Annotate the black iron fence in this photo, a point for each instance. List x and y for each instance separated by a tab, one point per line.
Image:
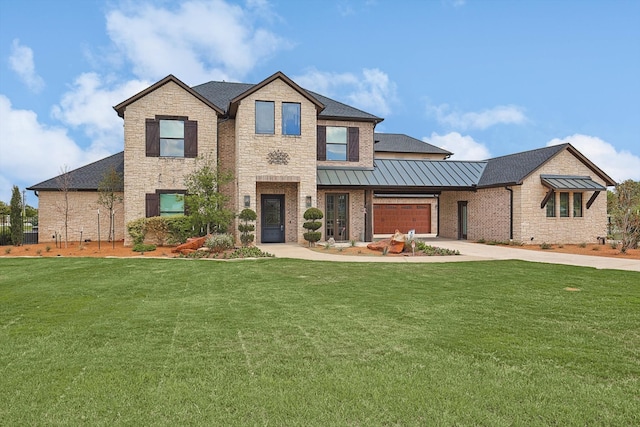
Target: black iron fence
29	230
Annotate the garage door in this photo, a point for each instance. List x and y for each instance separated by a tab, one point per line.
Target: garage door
389	218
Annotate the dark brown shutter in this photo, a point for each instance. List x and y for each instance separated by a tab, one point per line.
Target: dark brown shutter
152	205
322	143
152	138
354	144
190	138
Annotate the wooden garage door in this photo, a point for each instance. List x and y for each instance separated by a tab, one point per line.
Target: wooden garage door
389	218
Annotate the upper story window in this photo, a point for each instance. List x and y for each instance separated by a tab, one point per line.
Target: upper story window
338	143
290	118
265	117
171	137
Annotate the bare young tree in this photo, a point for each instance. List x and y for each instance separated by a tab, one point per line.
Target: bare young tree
625	212
65	185
109	189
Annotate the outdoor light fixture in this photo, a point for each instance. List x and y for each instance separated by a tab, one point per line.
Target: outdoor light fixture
247	201
308	201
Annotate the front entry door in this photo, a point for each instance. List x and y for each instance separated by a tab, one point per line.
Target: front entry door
272	218
462	220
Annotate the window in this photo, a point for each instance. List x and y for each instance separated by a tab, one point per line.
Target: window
265	113
551	206
164	203
336	217
171	204
290	118
564	204
577	205
171	138
336	143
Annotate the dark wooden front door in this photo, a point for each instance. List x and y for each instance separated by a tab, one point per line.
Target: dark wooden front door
272	218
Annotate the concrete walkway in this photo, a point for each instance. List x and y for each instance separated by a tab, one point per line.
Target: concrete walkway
468	252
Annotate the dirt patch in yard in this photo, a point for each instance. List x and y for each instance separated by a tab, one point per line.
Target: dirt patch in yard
585	249
87	249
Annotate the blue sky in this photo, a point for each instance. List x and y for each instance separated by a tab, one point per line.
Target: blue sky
479	78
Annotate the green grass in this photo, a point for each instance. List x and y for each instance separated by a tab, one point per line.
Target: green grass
289	342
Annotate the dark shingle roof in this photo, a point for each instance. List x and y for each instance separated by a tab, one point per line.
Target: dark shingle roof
395	173
86	177
514	168
400	143
221	94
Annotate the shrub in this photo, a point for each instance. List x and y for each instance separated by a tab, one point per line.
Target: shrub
545	245
252	252
179	229
434	250
158	228
312	215
219	242
141	247
137	230
583	245
246	216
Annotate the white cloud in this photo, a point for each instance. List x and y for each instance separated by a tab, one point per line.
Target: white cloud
372	91
619	165
198	41
502	114
21	61
88	106
462	147
31	152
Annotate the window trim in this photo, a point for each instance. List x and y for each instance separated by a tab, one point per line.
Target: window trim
152	201
152	137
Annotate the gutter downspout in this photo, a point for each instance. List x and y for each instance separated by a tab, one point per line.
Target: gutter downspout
510	190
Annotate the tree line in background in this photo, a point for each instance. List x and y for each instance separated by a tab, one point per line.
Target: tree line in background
623	206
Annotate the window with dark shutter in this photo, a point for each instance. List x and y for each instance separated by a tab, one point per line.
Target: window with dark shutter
190	138
322	143
152	138
152	205
354	144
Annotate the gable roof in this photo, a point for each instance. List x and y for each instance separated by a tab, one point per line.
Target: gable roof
120	108
512	169
400	143
406	174
222	94
87	177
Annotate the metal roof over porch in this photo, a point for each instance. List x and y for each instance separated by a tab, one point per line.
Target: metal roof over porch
406	174
571	182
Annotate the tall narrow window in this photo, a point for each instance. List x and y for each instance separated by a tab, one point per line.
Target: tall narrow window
171	204
551	206
336	143
564	204
577	205
171	138
265	117
290	118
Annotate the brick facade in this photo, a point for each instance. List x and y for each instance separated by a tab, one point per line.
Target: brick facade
83	216
144	174
488	210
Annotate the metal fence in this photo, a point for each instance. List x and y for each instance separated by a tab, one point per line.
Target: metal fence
29	230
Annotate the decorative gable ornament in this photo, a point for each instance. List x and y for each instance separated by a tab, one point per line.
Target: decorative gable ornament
278	157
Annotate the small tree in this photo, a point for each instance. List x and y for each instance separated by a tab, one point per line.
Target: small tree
15	214
245	228
204	202
65	184
312	215
625	213
109	189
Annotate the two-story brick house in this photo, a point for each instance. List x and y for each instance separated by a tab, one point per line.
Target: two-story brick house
289	149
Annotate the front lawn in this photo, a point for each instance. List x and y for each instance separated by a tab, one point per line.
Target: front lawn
290	342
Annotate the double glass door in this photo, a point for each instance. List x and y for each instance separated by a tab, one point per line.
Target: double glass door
336	217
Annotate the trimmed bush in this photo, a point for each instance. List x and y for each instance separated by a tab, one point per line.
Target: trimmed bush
219	242
246	216
312	215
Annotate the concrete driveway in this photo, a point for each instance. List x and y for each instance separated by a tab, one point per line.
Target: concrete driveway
468	252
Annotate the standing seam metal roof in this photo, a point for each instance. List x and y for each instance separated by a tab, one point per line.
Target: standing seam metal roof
407	174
